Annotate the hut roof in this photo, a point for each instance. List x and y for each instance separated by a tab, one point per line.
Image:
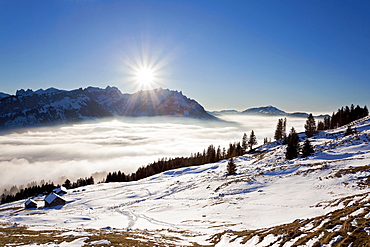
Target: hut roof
60	189
51	197
29	201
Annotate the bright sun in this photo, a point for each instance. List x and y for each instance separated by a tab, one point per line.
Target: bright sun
145	76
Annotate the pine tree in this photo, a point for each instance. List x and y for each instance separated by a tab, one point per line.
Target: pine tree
365	111
245	142
327	123
231	167
310	126
284	128
252	140
320	125
307	148
67	184
293	145
279	130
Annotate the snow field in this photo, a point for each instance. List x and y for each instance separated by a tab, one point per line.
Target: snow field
267	191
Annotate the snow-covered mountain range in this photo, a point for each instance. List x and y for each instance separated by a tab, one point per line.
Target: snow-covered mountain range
321	200
50	106
265	111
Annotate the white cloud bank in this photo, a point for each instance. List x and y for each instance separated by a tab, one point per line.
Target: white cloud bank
123	144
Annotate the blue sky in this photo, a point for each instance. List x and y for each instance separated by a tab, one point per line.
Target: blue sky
296	55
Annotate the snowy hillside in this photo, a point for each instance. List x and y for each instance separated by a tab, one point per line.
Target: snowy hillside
54	106
324	198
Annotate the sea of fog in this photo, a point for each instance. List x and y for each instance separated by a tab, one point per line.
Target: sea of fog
79	150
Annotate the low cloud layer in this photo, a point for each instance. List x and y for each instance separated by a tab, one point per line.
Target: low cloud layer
125	144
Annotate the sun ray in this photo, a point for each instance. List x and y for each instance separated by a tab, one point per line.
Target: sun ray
146	66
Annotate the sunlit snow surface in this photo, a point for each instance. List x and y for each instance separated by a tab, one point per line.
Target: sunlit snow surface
267	191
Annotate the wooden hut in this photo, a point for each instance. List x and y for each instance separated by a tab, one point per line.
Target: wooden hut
30	204
53	200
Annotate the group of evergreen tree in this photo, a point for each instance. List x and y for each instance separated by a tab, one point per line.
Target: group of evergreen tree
28	192
280	132
343	116
266	140
310	126
307	148
209	155
44	188
294	149
79	183
249	142
116	177
292	141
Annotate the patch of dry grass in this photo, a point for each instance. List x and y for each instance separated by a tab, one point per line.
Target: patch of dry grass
19	235
323	228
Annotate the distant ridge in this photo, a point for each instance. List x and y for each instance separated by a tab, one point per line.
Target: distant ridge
54	106
265	111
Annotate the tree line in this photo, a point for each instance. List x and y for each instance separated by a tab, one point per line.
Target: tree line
43	188
27	192
79	183
343	116
209	155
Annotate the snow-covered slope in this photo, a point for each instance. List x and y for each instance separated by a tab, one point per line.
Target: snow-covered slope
29	108
322	198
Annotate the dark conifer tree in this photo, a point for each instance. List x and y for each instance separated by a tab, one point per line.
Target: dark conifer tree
245	142
334	121
279	130
365	112
310	126
307	148
67	184
218	153
231	167
352	113
320	125
293	145
327	122
358	112
252	140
